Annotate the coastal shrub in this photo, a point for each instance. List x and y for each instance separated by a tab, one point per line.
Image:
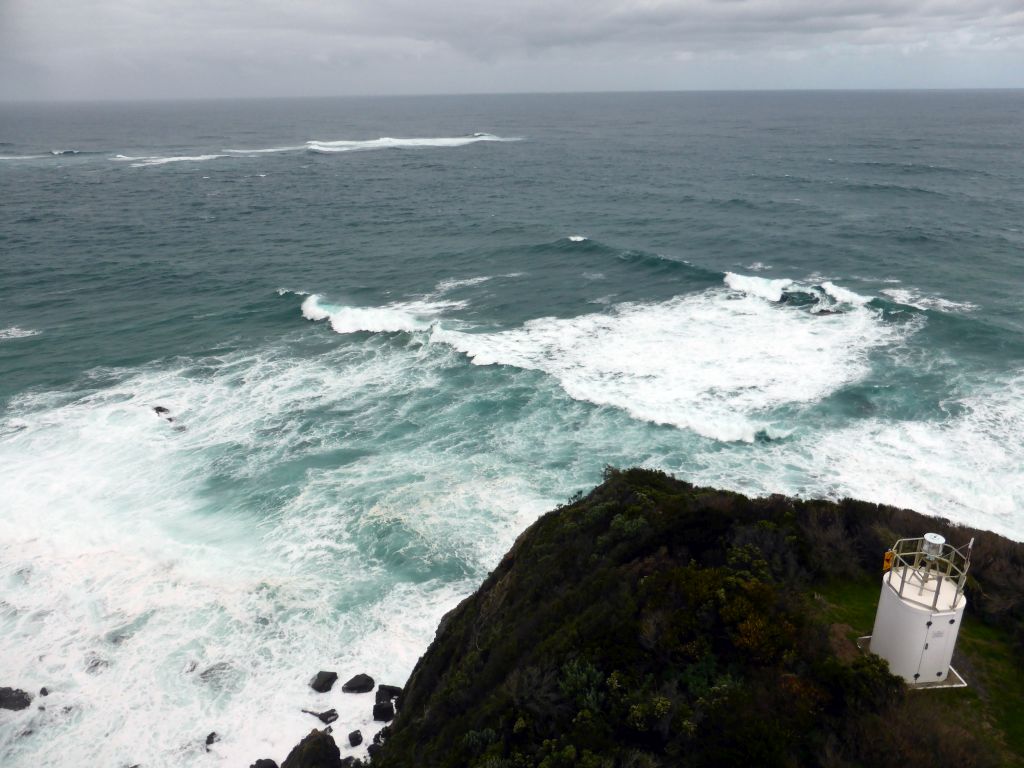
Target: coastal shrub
653	623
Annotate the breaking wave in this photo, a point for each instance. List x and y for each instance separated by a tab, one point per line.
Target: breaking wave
912	298
14	332
330	147
398	317
142	162
714	362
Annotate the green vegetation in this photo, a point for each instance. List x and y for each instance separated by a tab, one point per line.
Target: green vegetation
653	623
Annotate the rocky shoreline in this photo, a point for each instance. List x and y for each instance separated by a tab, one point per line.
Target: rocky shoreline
653	623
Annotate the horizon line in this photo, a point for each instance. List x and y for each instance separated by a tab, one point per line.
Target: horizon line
617	92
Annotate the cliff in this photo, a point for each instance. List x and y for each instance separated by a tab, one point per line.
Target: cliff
653	623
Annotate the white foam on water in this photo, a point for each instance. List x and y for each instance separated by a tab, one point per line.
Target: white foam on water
757	286
266	151
153	160
965	467
330	147
14	332
446	286
22	157
914	298
844	295
758	266
159	600
398	317
715	362
577	238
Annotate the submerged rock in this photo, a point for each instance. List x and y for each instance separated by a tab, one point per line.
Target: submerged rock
361	683
317	750
14	698
327	717
323	682
215	673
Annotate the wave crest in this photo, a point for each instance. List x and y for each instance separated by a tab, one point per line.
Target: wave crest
14	332
712	362
331	147
398	317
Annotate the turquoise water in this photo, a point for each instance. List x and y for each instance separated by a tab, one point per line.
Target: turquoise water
385	357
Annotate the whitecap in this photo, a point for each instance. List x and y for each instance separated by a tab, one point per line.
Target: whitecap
713	363
451	284
397	317
965	467
577	238
266	151
142	162
345	145
912	298
14	332
844	295
758	286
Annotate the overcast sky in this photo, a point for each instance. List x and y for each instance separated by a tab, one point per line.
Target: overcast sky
103	49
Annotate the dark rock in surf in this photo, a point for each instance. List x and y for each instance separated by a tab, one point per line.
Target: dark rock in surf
323	682
43	691
264	762
384	712
355	738
387	693
96	665
317	750
361	683
161	411
14	698
211	738
382	735
326	718
373	750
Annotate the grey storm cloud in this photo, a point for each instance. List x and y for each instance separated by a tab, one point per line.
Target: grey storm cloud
107	47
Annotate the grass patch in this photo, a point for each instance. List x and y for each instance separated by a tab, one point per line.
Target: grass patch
985	655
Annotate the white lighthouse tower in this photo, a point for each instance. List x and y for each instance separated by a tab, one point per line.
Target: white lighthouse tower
921	608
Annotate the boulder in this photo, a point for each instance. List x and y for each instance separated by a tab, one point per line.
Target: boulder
387	693
43	691
323	682
211	738
326	718
264	762
384	711
14	698
373	750
361	683
317	750
355	738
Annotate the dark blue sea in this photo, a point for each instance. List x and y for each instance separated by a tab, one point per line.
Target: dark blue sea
280	381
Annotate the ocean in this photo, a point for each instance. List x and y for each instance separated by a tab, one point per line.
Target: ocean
386	334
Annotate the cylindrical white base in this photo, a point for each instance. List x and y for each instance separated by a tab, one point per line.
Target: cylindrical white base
916	641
